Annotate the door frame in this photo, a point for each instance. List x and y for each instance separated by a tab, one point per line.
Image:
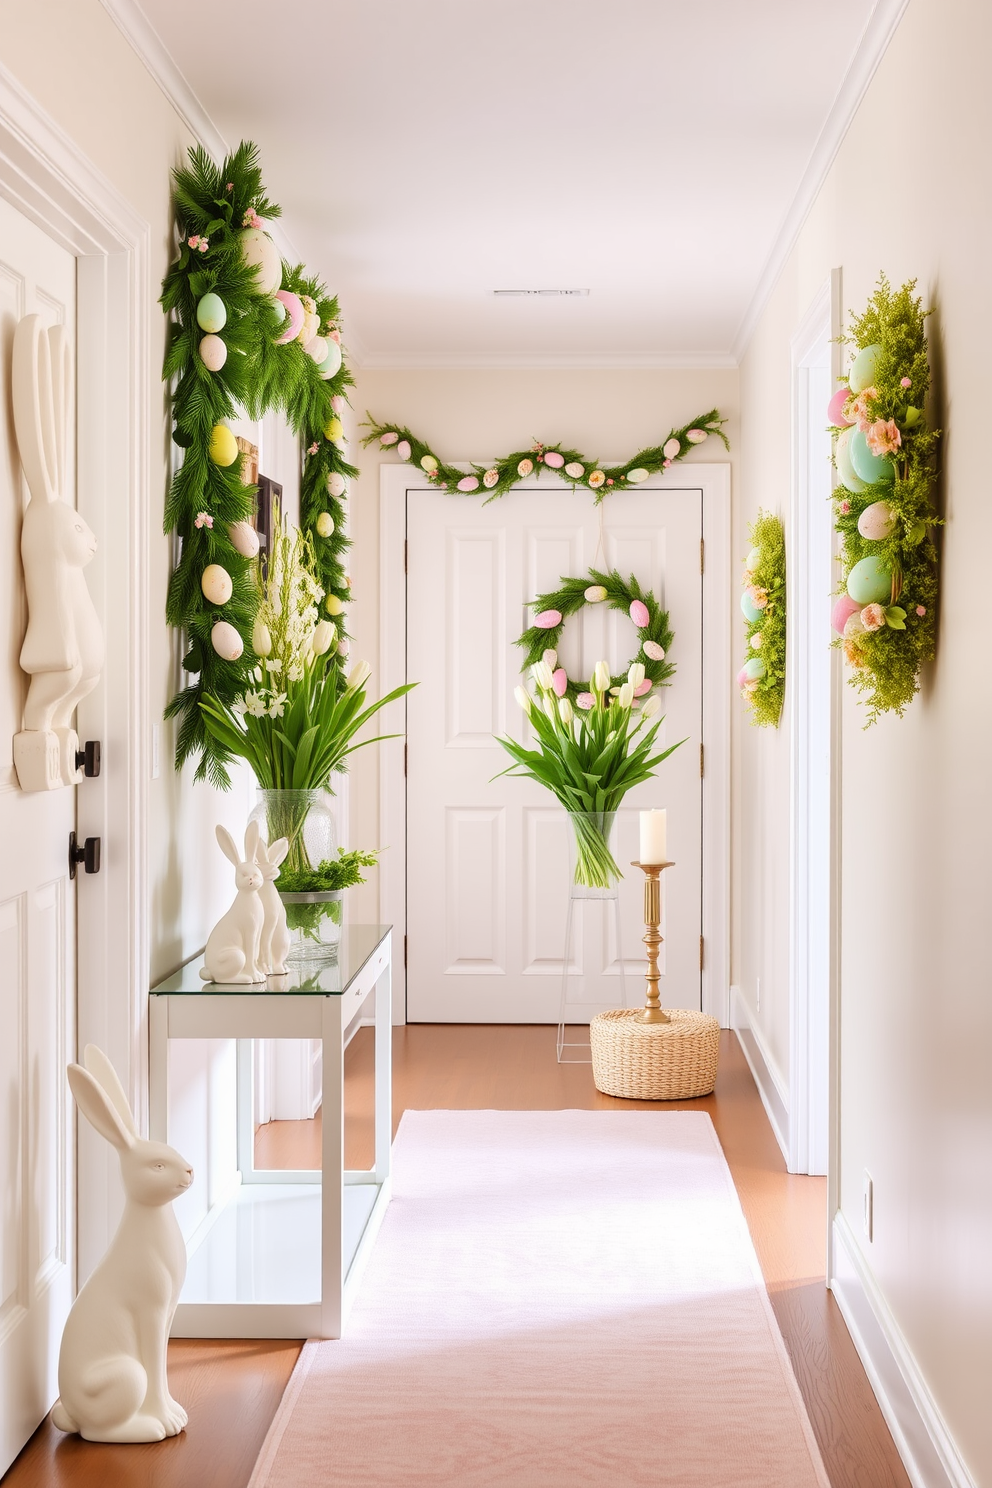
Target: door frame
815	688
51	182
713	481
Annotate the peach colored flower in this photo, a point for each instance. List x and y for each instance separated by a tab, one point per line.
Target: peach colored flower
757	596
851	654
873	617
856	409
883	437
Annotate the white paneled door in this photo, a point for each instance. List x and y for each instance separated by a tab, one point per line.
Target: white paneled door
487	859
37	930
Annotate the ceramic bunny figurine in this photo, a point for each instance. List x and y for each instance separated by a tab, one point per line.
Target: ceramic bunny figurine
63	646
112	1364
232	946
275	932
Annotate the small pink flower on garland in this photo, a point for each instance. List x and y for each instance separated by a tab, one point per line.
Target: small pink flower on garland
203	519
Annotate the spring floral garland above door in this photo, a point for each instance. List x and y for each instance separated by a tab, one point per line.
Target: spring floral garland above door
247	333
571	465
885	458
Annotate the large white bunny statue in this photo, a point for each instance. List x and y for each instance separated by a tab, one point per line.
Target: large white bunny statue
113	1384
275	931
63	646
232	953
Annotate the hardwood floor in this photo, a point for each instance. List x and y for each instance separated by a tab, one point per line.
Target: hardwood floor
231	1389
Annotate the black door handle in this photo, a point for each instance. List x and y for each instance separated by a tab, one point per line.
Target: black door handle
88	854
88	760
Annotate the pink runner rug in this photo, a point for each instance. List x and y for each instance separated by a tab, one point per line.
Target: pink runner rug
556	1299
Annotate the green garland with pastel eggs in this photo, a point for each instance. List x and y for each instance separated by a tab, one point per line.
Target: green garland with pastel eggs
762	677
502	475
247	333
655	635
886	613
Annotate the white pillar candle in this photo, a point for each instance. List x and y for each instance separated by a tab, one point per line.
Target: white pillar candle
654	825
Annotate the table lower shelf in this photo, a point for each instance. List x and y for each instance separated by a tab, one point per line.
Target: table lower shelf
255	1273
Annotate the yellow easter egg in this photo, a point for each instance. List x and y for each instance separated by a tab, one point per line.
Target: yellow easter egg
223	447
333	429
333	605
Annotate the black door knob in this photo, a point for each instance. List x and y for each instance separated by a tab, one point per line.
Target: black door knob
88	758
88	854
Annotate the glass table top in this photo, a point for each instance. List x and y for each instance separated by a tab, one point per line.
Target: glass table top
357	945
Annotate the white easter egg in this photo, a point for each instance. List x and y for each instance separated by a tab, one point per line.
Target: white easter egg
213	353
244	539
216	584
226	641
261	254
671	449
335	483
636	476
574	470
595	594
877	521
310	327
316	349
525	467
403	449
652	650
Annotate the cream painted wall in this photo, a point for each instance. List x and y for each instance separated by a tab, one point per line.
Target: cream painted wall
476	415
907	194
71	57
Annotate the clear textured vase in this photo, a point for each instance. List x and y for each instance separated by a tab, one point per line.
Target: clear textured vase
594	870
306	819
593	875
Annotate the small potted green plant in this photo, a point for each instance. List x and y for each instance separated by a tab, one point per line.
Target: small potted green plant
314	901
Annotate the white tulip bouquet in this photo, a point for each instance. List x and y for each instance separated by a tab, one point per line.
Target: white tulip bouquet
589	759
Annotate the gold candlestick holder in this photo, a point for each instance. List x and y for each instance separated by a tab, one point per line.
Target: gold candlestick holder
653	1010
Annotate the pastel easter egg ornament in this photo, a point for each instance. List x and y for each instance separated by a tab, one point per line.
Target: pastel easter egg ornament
554	460
862	372
697	436
870	468
749	609
226	641
213	353
574	470
559	681
325	525
278	309
643	688
223	447
526	467
877	521
870	581
211	313
490	478
336	485
671	449
842	456
244	539
753	559
835	408
261	254
639	613
468	483
389	438
595	594
316	349
334	430
293	306
331	365
547	619
741	678
637	475
844	608
653	651
403	449
333	605
216	584
428	463
754	669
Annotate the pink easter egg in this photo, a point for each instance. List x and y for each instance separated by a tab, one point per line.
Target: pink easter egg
553	460
842	611
644	687
547	619
294	316
468	483
742	678
835	408
585	701
639	613
403	449
559	681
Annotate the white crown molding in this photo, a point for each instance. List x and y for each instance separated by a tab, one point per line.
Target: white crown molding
684	361
928	1451
878	32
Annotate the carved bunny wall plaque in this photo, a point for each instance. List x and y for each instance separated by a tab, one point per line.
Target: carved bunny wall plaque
63	646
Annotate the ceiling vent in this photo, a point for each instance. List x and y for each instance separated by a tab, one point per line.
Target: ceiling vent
519	294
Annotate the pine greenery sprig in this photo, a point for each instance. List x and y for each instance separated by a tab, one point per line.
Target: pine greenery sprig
496	479
212	205
766	694
886	662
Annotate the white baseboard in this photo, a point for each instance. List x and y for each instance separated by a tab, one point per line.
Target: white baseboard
928	1450
767	1077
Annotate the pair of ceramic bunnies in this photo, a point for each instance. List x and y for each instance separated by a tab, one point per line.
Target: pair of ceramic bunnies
251	940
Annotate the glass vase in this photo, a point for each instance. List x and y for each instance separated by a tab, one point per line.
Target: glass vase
313	916
594	870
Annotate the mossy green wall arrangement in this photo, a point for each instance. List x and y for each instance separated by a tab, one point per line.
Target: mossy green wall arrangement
762	677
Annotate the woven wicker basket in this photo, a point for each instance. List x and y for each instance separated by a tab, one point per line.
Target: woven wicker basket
654	1061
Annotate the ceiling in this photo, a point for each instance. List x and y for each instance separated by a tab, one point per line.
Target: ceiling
428	152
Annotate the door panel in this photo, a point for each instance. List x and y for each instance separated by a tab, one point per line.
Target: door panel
487	870
37	929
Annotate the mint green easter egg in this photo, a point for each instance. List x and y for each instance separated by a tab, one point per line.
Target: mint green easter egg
754	668
211	313
863	369
872	469
842	455
870	581
749	610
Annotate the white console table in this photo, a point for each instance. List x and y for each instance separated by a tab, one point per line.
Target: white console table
283	1257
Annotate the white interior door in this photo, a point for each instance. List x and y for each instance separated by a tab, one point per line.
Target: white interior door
487	860
37	929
